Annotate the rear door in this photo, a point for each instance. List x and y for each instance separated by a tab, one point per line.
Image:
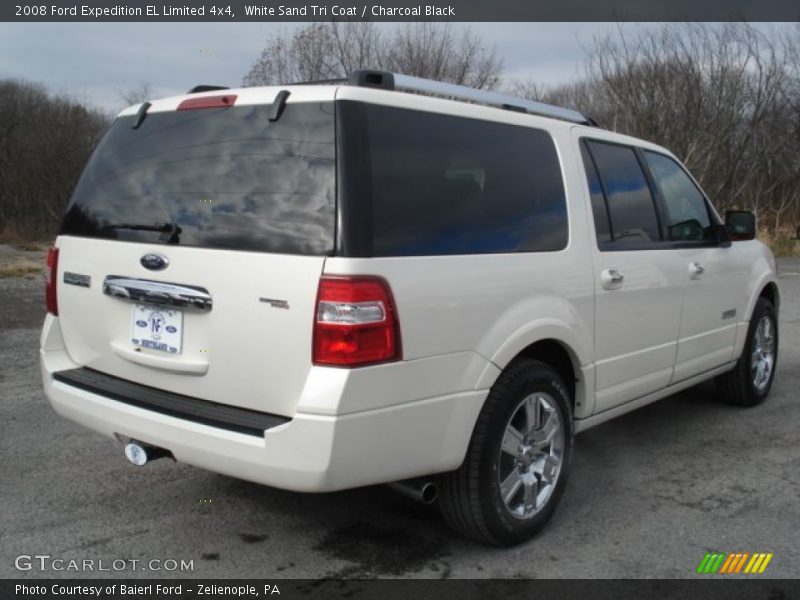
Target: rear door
638	282
191	252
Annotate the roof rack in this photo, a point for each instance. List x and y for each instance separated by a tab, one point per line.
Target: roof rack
393	81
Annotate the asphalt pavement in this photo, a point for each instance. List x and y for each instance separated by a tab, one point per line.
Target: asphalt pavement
650	493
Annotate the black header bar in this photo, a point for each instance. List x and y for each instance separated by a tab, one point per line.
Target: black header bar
398	10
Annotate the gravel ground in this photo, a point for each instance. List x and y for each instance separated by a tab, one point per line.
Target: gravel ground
649	492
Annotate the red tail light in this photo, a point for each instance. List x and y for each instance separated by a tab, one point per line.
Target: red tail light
355	322
50	278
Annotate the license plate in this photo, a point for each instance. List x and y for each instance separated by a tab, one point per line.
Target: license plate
157	328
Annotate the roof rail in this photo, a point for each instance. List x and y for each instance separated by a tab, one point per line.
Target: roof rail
207	88
320	81
393	81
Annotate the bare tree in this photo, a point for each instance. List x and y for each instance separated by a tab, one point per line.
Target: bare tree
725	99
439	52
136	95
309	53
334	50
529	88
45	142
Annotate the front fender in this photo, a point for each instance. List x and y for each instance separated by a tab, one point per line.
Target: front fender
762	273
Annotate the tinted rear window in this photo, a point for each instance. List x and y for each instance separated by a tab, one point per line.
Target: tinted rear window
449	185
215	178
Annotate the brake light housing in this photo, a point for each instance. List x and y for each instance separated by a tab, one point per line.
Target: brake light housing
355	322
50	279
223	101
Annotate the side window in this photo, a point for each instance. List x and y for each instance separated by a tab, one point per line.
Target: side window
601	225
685	207
630	203
448	185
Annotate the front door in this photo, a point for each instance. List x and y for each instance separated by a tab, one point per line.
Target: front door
714	274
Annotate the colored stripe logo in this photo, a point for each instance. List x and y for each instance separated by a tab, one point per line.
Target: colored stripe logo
735	563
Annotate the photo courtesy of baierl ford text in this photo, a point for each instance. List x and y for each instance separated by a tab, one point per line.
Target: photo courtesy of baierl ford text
382	299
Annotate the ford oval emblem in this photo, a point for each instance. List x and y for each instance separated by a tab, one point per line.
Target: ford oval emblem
154	262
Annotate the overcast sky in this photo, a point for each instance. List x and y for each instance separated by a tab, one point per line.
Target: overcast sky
94	62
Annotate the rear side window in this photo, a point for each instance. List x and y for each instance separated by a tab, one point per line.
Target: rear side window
630	204
448	185
214	178
686	210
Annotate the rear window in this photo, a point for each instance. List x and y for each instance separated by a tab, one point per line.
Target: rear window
449	185
215	178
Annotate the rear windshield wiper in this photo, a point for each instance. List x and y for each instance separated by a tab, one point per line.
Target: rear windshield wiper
276	110
171	230
140	115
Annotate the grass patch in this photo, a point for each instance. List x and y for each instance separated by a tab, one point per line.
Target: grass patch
22	259
21	240
27	247
784	244
21	271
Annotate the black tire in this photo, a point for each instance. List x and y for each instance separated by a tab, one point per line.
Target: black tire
470	499
738	386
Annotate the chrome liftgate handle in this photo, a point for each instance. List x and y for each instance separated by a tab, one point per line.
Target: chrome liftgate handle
158	293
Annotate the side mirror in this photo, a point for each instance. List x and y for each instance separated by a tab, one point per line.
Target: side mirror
741	225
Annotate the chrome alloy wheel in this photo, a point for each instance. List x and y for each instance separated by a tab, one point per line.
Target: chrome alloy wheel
531	455
762	360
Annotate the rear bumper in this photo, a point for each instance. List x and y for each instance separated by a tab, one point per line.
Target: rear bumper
310	453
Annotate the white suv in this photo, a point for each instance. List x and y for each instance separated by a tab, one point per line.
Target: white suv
319	287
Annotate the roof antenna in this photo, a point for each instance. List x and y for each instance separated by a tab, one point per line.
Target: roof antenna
141	114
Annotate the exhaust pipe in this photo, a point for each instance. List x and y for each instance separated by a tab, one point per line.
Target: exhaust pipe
140	454
421	490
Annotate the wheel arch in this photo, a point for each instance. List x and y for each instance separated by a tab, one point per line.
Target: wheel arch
767	287
771	292
559	354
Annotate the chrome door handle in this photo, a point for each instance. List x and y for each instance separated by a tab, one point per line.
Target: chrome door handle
158	293
611	279
695	270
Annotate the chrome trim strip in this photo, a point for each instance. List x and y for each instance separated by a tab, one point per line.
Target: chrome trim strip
158	293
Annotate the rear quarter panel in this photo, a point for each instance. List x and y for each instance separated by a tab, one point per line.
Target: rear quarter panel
495	305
